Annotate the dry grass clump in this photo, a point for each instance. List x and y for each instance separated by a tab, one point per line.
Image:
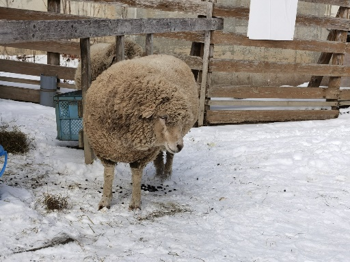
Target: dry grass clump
14	141
52	202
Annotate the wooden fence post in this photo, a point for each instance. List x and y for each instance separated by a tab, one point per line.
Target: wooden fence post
204	82
85	84
120	56
149	44
53	6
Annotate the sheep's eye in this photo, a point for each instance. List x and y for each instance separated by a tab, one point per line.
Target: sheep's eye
165	117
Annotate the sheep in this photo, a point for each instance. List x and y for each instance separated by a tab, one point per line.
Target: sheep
103	55
134	110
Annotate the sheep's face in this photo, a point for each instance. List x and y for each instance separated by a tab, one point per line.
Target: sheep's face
168	136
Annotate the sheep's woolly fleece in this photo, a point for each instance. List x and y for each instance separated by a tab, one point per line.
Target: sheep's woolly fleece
102	56
124	101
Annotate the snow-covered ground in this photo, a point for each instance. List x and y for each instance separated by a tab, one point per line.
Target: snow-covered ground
262	192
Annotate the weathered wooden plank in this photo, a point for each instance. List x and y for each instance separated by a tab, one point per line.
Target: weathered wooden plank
19	31
221	10
187	36
272	92
85	84
325	57
62	47
258	116
345	3
20	94
344	103
33	82
188	6
344	94
246	103
228	65
20	80
220	38
22	14
27	68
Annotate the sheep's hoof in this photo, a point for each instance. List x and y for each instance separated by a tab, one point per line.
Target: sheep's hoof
105	202
134	206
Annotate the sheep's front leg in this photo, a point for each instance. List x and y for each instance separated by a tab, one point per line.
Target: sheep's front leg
136	171
159	164
168	165
107	186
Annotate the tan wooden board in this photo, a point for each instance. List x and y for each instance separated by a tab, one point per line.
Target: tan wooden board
229	65
256	116
30	31
27	68
245	103
220	38
20	94
188	6
62	47
272	92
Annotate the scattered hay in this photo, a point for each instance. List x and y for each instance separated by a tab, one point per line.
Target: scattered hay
165	209
52	202
14	141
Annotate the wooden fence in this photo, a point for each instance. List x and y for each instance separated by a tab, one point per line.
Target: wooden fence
220	104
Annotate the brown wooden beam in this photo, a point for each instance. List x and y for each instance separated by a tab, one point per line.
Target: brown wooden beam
272	92
229	65
329	46
258	116
62	47
20	94
19	31
27	68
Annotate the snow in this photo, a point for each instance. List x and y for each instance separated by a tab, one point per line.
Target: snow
260	192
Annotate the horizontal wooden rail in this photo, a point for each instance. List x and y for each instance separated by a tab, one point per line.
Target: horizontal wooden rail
228	65
30	31
273	92
187	36
245	103
20	94
344	95
220	38
215	117
301	20
345	3
23	14
62	47
188	6
20	80
27	68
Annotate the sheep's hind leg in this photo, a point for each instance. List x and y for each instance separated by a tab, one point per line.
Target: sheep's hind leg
107	186
136	170
159	164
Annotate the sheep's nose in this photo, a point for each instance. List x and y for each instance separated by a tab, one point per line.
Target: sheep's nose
179	147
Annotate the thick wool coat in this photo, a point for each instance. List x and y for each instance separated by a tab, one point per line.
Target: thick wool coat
124	102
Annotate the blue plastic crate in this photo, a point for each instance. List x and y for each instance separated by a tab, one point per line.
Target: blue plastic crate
68	121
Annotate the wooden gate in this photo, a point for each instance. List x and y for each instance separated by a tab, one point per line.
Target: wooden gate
235	103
